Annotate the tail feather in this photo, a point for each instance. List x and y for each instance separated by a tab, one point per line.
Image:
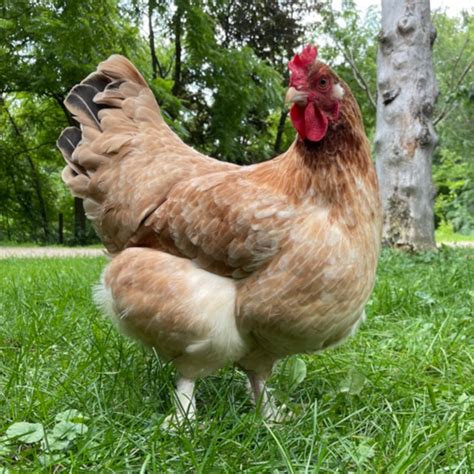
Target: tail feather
67	143
118	67
123	158
85	148
80	102
78	183
105	105
97	80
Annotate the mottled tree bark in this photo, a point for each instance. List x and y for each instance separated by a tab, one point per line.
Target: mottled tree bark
405	138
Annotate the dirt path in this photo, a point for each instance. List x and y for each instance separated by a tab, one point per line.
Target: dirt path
39	252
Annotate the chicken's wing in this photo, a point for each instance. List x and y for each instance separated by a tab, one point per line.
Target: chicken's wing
226	222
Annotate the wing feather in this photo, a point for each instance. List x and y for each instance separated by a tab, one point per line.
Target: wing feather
225	222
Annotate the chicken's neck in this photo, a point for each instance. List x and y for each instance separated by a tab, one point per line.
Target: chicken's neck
334	169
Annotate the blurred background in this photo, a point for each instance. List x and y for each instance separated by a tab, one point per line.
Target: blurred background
219	72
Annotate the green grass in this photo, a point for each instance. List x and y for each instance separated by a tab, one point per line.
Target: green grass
396	398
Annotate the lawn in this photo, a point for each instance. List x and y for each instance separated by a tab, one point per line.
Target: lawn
395	398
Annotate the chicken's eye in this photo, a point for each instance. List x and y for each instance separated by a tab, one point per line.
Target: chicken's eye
323	83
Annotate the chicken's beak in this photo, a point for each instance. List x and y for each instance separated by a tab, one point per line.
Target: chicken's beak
294	96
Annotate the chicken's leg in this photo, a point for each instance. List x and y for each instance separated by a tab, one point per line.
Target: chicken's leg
262	398
185	403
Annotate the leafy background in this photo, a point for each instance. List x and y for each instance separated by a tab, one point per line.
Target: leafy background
219	71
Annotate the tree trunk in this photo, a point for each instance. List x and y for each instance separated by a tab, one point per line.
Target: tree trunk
405	138
280	130
177	86
79	222
61	228
155	64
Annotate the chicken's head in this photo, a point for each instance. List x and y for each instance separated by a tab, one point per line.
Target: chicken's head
314	95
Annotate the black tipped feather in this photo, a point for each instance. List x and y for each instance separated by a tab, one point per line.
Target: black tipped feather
98	81
80	102
115	84
68	141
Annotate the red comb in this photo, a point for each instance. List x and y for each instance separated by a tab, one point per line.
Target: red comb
300	63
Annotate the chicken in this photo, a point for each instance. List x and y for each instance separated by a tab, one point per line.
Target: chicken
214	263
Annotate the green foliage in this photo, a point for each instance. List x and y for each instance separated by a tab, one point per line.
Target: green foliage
454	179
453	170
394	398
219	75
69	426
446	234
25	432
214	90
50	44
231	89
47	47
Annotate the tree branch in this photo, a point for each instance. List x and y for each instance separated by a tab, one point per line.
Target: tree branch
358	75
449	106
453	70
60	101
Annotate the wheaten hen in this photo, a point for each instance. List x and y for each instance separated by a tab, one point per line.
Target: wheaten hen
213	263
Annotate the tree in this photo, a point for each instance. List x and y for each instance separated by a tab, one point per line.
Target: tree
41	58
218	70
273	30
405	137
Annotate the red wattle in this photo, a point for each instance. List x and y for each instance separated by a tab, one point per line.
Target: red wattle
309	122
297	118
316	123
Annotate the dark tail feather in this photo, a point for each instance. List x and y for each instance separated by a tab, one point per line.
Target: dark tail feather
80	103
67	143
68	140
97	80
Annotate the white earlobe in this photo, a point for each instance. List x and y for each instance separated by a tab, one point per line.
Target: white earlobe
338	91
